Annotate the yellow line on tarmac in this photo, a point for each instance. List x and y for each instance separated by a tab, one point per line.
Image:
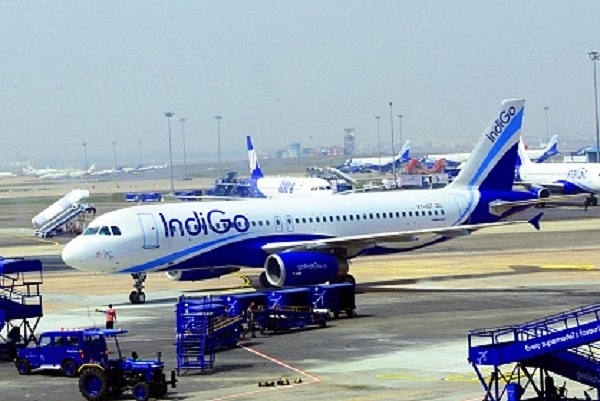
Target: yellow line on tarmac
564	266
247	283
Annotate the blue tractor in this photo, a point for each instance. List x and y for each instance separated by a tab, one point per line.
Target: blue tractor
109	378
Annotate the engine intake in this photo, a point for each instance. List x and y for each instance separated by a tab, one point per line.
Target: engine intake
302	268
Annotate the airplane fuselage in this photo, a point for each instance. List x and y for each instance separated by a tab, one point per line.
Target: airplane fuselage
206	234
585	176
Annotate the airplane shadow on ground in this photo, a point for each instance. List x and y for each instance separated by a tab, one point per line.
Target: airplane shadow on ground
516	270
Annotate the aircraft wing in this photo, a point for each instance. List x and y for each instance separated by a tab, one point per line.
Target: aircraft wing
364	241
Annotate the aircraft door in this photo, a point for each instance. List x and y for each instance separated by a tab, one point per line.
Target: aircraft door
278	224
289	223
149	230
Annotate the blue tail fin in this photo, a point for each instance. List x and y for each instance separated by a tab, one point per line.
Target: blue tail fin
492	163
255	171
404	155
551	150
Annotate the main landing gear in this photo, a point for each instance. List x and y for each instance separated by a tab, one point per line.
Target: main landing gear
138	296
344	278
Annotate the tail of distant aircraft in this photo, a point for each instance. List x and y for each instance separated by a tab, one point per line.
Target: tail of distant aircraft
496	152
255	171
550	150
404	155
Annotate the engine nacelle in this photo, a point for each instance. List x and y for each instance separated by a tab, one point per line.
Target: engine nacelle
200	274
302	268
540	192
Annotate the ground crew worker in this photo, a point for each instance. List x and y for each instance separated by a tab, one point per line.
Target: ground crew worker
111	316
251	320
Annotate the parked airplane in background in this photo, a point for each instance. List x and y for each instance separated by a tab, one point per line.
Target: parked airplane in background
383	163
261	186
302	241
563	178
49	173
454	160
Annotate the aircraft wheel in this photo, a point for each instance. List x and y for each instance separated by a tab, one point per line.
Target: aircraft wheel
133	297
350	279
141	297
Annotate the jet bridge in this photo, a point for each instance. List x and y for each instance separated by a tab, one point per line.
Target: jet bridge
563	344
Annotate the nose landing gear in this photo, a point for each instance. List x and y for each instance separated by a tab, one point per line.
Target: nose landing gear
137	296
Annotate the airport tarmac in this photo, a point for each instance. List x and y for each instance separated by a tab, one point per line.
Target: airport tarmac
409	341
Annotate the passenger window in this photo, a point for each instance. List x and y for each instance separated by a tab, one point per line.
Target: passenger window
403	214
344	217
442	212
371	216
254	224
409	214
351	218
304	220
383	215
260	223
91	231
104	230
377	215
297	220
397	215
115	230
317	220
430	213
337	218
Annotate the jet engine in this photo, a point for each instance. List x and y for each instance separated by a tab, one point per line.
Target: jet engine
200	274
540	192
303	268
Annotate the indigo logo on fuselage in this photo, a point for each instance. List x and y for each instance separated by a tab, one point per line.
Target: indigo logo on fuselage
197	224
501	122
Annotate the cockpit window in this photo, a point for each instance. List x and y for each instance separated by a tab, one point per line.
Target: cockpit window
91	231
115	230
104	230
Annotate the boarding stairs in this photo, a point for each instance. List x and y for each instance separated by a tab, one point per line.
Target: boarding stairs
561	343
57	224
20	302
203	326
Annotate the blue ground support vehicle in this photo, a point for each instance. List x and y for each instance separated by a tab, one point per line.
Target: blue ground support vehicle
64	350
109	378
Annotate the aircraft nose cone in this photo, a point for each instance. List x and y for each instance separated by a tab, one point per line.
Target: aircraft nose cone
72	256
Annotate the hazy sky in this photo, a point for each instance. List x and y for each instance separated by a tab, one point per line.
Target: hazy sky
104	71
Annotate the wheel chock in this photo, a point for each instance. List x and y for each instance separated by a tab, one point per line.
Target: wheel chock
283	382
298	380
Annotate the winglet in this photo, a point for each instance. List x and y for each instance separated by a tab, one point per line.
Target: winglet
255	171
535	221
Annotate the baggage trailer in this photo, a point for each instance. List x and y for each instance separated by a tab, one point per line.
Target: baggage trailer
289	309
335	298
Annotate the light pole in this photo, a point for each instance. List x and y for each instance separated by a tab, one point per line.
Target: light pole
218	118
546	108
595	56
400	116
170	114
141	153
393	148
182	120
114	145
84	155
378	143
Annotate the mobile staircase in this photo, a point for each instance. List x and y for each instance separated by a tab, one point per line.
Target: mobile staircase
562	344
20	303
58	224
204	326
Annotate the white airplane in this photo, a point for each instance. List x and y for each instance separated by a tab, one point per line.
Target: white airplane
562	178
55	174
261	186
383	163
300	241
537	155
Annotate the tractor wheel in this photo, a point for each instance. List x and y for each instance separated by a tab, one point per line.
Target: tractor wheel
93	385
69	368
23	366
141	391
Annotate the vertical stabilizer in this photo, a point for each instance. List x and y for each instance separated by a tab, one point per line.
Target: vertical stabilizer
550	150
404	155
255	171
492	163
